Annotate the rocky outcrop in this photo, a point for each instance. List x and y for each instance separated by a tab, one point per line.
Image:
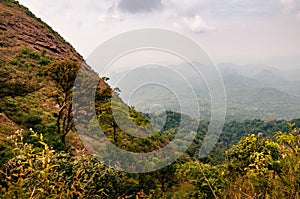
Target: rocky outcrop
19	28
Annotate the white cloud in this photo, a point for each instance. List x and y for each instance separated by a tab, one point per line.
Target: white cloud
194	24
291	7
256	28
288	3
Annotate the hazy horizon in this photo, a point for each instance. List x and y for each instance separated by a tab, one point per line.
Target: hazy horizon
235	31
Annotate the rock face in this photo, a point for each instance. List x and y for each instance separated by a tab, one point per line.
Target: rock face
19	28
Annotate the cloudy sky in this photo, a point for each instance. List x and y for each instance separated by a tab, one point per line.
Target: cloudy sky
238	31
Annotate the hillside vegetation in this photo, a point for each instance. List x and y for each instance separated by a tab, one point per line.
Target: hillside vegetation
27	45
41	155
256	167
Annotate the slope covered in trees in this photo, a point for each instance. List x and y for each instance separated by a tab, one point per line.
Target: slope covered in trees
252	159
256	167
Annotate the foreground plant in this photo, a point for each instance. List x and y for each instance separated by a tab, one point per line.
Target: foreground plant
38	172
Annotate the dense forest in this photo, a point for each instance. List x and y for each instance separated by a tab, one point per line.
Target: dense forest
42	156
263	164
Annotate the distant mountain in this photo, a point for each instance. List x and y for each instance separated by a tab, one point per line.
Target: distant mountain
267	77
293	74
249	70
253	91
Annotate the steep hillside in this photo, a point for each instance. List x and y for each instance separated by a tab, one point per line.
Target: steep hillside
27	45
19	28
35	60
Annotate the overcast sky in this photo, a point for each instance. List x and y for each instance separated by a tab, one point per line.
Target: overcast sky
238	31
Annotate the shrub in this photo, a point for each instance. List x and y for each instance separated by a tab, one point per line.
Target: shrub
33	120
39	172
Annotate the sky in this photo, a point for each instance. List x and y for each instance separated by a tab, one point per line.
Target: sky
237	31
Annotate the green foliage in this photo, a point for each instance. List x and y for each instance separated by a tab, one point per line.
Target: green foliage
207	179
6	154
109	105
29	57
29	174
289	185
233	132
63	73
20	76
41	173
13	82
259	165
256	167
33	120
260	168
254	156
290	140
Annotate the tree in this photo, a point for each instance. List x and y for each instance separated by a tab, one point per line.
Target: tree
254	155
63	73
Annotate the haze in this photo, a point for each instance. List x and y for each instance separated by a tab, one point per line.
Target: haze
238	31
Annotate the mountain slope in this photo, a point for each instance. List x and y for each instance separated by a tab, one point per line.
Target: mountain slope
27	45
31	95
20	28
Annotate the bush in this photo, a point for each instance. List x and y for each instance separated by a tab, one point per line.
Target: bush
33	120
6	154
39	172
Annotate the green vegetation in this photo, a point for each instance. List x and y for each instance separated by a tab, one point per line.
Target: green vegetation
25	101
39	172
252	159
249	160
19	76
63	74
255	167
